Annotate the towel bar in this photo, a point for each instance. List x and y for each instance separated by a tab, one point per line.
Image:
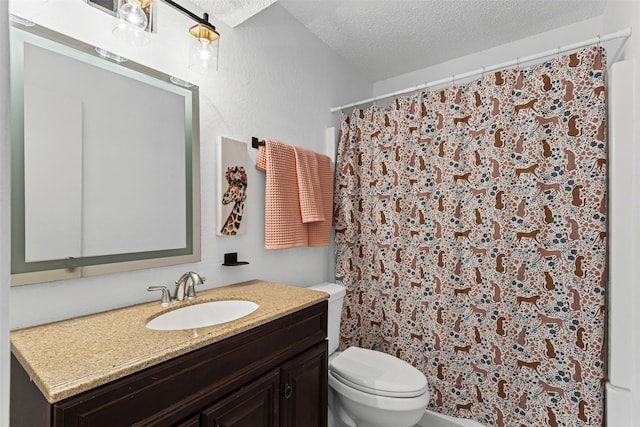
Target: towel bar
255	142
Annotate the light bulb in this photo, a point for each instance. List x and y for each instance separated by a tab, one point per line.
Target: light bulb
204	47
131	13
203	55
132	23
205	52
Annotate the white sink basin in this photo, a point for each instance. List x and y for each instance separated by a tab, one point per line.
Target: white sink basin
201	315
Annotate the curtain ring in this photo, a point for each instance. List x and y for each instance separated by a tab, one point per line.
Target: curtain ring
558	52
426	90
483	68
453	79
518	63
598	41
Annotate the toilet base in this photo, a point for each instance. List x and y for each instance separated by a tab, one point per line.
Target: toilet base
354	408
372	417
342	419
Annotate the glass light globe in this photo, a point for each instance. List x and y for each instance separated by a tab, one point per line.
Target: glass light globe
131	13
203	55
131	24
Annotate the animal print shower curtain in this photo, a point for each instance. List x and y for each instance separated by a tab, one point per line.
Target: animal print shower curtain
471	238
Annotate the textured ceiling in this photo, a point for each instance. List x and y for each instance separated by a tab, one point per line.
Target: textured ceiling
387	38
232	12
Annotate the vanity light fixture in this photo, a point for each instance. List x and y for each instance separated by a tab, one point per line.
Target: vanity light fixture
133	26
203	52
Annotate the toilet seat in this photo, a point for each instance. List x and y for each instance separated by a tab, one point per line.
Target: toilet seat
377	373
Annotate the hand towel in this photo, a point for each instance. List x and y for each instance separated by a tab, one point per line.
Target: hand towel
309	187
299	195
283	222
320	231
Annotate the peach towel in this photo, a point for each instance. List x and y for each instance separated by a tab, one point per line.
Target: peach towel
288	199
309	188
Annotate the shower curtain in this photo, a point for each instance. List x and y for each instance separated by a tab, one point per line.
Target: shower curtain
471	238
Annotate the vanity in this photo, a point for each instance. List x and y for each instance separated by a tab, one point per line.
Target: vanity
268	368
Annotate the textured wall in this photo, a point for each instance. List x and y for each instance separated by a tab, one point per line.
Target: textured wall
623	405
274	80
4	219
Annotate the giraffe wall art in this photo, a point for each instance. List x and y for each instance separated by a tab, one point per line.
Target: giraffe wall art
232	188
236	193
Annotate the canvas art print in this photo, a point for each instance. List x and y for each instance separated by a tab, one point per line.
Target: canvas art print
232	186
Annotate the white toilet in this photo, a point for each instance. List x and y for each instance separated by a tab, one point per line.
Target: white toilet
369	388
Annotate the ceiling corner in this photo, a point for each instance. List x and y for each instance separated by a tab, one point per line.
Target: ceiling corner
232	12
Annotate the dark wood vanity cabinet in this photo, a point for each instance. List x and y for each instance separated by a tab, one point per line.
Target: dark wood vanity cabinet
293	395
304	380
253	405
272	375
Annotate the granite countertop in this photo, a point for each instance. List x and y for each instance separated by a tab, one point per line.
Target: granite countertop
72	356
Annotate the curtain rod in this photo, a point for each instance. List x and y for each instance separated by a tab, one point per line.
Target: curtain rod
557	51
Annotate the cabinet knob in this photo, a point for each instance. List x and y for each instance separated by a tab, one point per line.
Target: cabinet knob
288	391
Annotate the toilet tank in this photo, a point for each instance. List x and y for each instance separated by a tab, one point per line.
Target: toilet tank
336	296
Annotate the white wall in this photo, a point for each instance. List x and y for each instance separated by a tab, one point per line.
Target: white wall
623	405
275	80
5	208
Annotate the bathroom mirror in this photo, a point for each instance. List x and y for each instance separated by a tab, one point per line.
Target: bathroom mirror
105	161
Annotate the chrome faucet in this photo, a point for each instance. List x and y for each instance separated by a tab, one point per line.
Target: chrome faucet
186	286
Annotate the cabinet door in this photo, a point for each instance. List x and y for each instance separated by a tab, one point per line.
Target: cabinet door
303	397
255	405
190	422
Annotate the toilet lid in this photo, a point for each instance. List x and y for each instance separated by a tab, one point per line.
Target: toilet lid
377	373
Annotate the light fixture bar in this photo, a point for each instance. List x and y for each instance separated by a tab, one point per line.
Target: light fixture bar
205	17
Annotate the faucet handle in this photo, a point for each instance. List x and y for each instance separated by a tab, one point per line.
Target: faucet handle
196	279
166	296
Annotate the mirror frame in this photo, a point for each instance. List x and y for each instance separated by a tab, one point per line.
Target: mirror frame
45	271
